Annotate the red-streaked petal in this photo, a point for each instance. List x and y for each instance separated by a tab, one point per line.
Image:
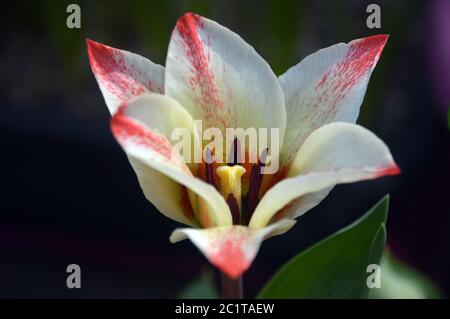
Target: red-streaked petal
143	128
233	248
221	79
327	86
334	154
122	75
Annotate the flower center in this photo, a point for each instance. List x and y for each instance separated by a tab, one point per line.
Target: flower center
240	185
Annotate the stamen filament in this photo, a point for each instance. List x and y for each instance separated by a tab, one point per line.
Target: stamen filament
255	182
209	169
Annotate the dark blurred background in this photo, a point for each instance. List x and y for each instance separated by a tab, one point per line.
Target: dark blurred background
70	196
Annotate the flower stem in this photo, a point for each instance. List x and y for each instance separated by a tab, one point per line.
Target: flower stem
231	288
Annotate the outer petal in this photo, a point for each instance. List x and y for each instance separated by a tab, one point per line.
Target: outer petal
327	86
143	128
233	248
221	79
333	154
122	75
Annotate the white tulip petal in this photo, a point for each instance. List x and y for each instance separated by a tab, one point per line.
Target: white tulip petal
167	195
334	154
143	127
122	75
327	86
301	205
221	79
233	248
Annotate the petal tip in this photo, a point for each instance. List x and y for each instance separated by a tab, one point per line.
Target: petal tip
177	236
382	40
187	24
369	48
93	46
187	19
90	42
393	170
190	15
375	43
96	51
231	259
378	40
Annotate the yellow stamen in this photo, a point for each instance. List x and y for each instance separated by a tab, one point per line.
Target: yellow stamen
230	181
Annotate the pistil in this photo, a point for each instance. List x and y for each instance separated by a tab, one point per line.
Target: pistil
230	187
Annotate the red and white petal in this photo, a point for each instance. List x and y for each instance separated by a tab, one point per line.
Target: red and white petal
327	86
233	248
143	128
221	79
334	154
122	75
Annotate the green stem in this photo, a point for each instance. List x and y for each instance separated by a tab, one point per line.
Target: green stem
232	288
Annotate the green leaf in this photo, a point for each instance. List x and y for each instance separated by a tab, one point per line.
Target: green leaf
202	287
400	281
336	266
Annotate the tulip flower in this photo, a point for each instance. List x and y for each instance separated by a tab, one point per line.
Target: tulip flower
213	75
